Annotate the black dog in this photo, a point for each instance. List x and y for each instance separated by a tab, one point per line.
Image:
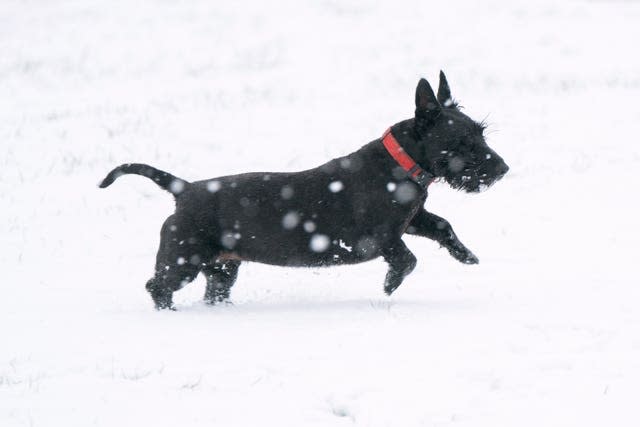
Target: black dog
349	210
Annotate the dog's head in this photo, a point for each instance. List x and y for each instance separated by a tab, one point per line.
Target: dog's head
450	144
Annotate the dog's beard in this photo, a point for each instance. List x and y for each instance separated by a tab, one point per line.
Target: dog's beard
470	181
464	174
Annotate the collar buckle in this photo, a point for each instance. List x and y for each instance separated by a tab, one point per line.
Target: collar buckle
423	179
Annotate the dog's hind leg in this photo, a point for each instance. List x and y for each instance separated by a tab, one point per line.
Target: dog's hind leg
433	227
179	260
220	278
164	284
401	262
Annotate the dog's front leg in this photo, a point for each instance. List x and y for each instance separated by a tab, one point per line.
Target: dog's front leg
428	225
401	262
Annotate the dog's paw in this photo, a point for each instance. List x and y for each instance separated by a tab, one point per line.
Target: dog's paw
471	259
389	290
463	255
163	302
218	301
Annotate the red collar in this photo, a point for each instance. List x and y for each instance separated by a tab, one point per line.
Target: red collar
416	173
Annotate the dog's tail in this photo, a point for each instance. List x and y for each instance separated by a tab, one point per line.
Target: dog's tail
164	180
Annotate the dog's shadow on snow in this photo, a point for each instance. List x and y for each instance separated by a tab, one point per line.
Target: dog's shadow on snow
310	307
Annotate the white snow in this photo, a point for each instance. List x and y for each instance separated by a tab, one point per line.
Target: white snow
367	244
344	246
545	331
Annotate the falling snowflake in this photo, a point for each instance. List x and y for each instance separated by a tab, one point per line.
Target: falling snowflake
228	240
286	192
456	164
176	186
405	192
319	243
336	186
290	220
309	226
213	186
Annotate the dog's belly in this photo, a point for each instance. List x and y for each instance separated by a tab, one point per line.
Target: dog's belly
325	240
300	220
307	251
337	253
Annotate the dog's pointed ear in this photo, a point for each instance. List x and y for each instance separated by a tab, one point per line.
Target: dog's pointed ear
427	105
444	92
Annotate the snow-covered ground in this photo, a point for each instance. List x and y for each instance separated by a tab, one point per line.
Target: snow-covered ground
544	332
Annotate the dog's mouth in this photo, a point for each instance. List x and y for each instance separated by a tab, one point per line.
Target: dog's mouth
472	181
470	176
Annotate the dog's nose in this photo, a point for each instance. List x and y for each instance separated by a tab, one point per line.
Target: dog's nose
502	168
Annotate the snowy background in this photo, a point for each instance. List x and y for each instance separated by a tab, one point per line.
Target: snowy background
544	332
